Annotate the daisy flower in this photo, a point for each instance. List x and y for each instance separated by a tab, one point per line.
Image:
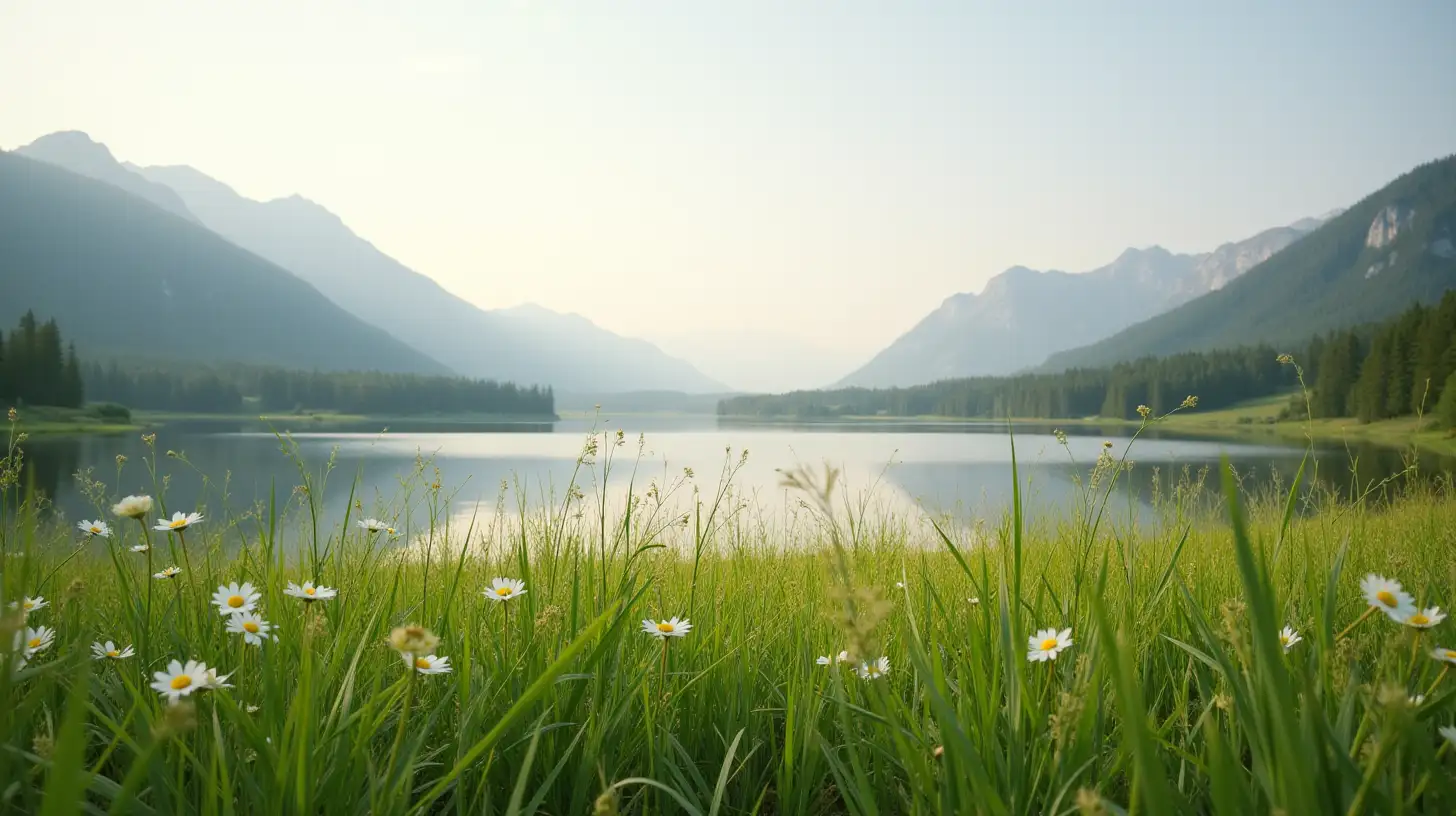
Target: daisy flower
213	680
875	670
973	601
1416	699
1387	596
842	657
139	548
110	651
179	522
310	593
235	598
373	525
1288	637
251	709
1046	644
180	680
132	507
169	572
667	628
391	532
29	605
504	589
252	627
37	640
95	529
413	640
1425	618
430	664
1444	655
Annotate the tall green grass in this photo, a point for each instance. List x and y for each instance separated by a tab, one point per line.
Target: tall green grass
1176	697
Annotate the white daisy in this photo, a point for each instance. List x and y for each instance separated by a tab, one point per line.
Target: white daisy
429	664
899	585
139	548
1444	655
1288	637
1416	699
110	651
875	670
373	525
251	626
132	507
213	680
37	640
310	593
169	572
391	532
1046	644
1387	596
235	598
179	522
504	589
1449	732
95	529
180	680
973	601
29	605
251	709
671	628
1425	618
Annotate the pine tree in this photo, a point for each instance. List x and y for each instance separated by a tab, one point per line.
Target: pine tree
72	393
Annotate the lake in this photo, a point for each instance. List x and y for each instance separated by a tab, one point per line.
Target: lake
898	468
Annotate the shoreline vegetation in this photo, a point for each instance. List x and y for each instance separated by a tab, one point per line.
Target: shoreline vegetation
45	420
1246	653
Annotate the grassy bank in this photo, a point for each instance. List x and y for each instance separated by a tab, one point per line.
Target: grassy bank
1173	692
38	420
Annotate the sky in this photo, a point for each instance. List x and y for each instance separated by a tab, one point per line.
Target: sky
709	175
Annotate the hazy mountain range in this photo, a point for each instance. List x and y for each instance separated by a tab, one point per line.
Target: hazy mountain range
528	344
1372	261
1024	315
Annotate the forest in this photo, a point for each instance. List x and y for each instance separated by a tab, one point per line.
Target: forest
1373	372
36	368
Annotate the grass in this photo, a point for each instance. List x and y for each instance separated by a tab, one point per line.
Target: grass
1176	695
37	420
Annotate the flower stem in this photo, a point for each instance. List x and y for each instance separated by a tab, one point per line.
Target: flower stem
663	682
1439	678
1358	621
409	693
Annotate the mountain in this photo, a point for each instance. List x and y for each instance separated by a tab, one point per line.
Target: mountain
534	346
1395	247
125	277
1024	315
76	152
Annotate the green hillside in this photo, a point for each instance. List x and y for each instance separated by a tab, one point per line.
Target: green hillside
125	278
1395	247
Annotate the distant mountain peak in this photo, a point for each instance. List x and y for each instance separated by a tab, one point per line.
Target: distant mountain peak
77	152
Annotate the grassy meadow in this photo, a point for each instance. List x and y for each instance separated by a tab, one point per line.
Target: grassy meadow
1086	664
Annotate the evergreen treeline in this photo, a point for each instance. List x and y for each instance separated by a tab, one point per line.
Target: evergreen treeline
224	389
1217	378
37	369
1395	369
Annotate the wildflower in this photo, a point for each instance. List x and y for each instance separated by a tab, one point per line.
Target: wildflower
1107	445
899	585
251	709
1449	732
1425	618
1189	401
133	507
310	593
1046	644
12	415
235	598
252	627
874	670
212	680
1444	655
391	532
667	628
430	664
1060	435
169	572
504	589
179	718
1387	596
973	601
29	605
110	651
140	548
180	521
1288	637
95	529
37	640
824	660
180	680
1144	411
1284	359
373	525
413	640
1416	699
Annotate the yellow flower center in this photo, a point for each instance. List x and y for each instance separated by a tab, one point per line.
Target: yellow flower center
421	663
181	681
1284	639
1385	597
178	523
250	627
1450	654
1419	619
503	591
113	653
235	601
389	530
29	604
309	591
34	643
1048	644
95	530
664	627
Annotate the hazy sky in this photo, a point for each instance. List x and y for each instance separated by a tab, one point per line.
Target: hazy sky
829	171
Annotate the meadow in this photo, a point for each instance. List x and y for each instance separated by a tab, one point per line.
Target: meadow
1243	655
